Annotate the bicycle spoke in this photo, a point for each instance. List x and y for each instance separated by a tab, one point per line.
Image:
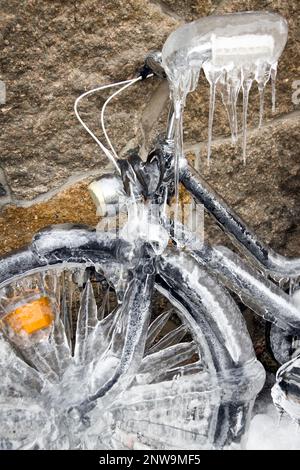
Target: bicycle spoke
172	337
165	359
156	327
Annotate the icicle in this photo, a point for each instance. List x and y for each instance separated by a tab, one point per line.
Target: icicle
71	299
262	76
234	83
194	368
212	99
223	87
246	86
273	82
234	91
261	90
245	110
230	84
86	323
212	76
193	79
42	357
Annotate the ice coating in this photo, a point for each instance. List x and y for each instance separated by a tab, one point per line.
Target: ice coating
41	396
175	378
177	384
234	50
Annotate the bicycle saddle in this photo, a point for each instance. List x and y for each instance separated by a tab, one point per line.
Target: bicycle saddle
235	39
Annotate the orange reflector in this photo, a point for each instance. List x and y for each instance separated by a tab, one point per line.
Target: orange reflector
31	317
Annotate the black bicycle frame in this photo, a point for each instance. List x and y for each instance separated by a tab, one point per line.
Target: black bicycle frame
274	264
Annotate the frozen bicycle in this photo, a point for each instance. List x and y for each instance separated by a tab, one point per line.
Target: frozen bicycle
135	341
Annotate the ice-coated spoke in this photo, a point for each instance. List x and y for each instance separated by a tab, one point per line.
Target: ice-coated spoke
169	339
156	327
168	358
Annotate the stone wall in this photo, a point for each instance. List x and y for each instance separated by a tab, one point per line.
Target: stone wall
51	51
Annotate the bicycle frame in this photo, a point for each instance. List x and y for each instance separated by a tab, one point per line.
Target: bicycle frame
272	263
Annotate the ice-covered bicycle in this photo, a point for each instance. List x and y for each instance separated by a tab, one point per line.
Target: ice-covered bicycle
134	340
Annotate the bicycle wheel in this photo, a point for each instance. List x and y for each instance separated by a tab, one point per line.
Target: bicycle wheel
62	333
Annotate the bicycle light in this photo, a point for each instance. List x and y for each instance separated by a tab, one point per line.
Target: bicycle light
236	37
108	194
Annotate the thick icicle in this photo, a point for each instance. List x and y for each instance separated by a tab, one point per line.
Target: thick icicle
166	363
184	81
